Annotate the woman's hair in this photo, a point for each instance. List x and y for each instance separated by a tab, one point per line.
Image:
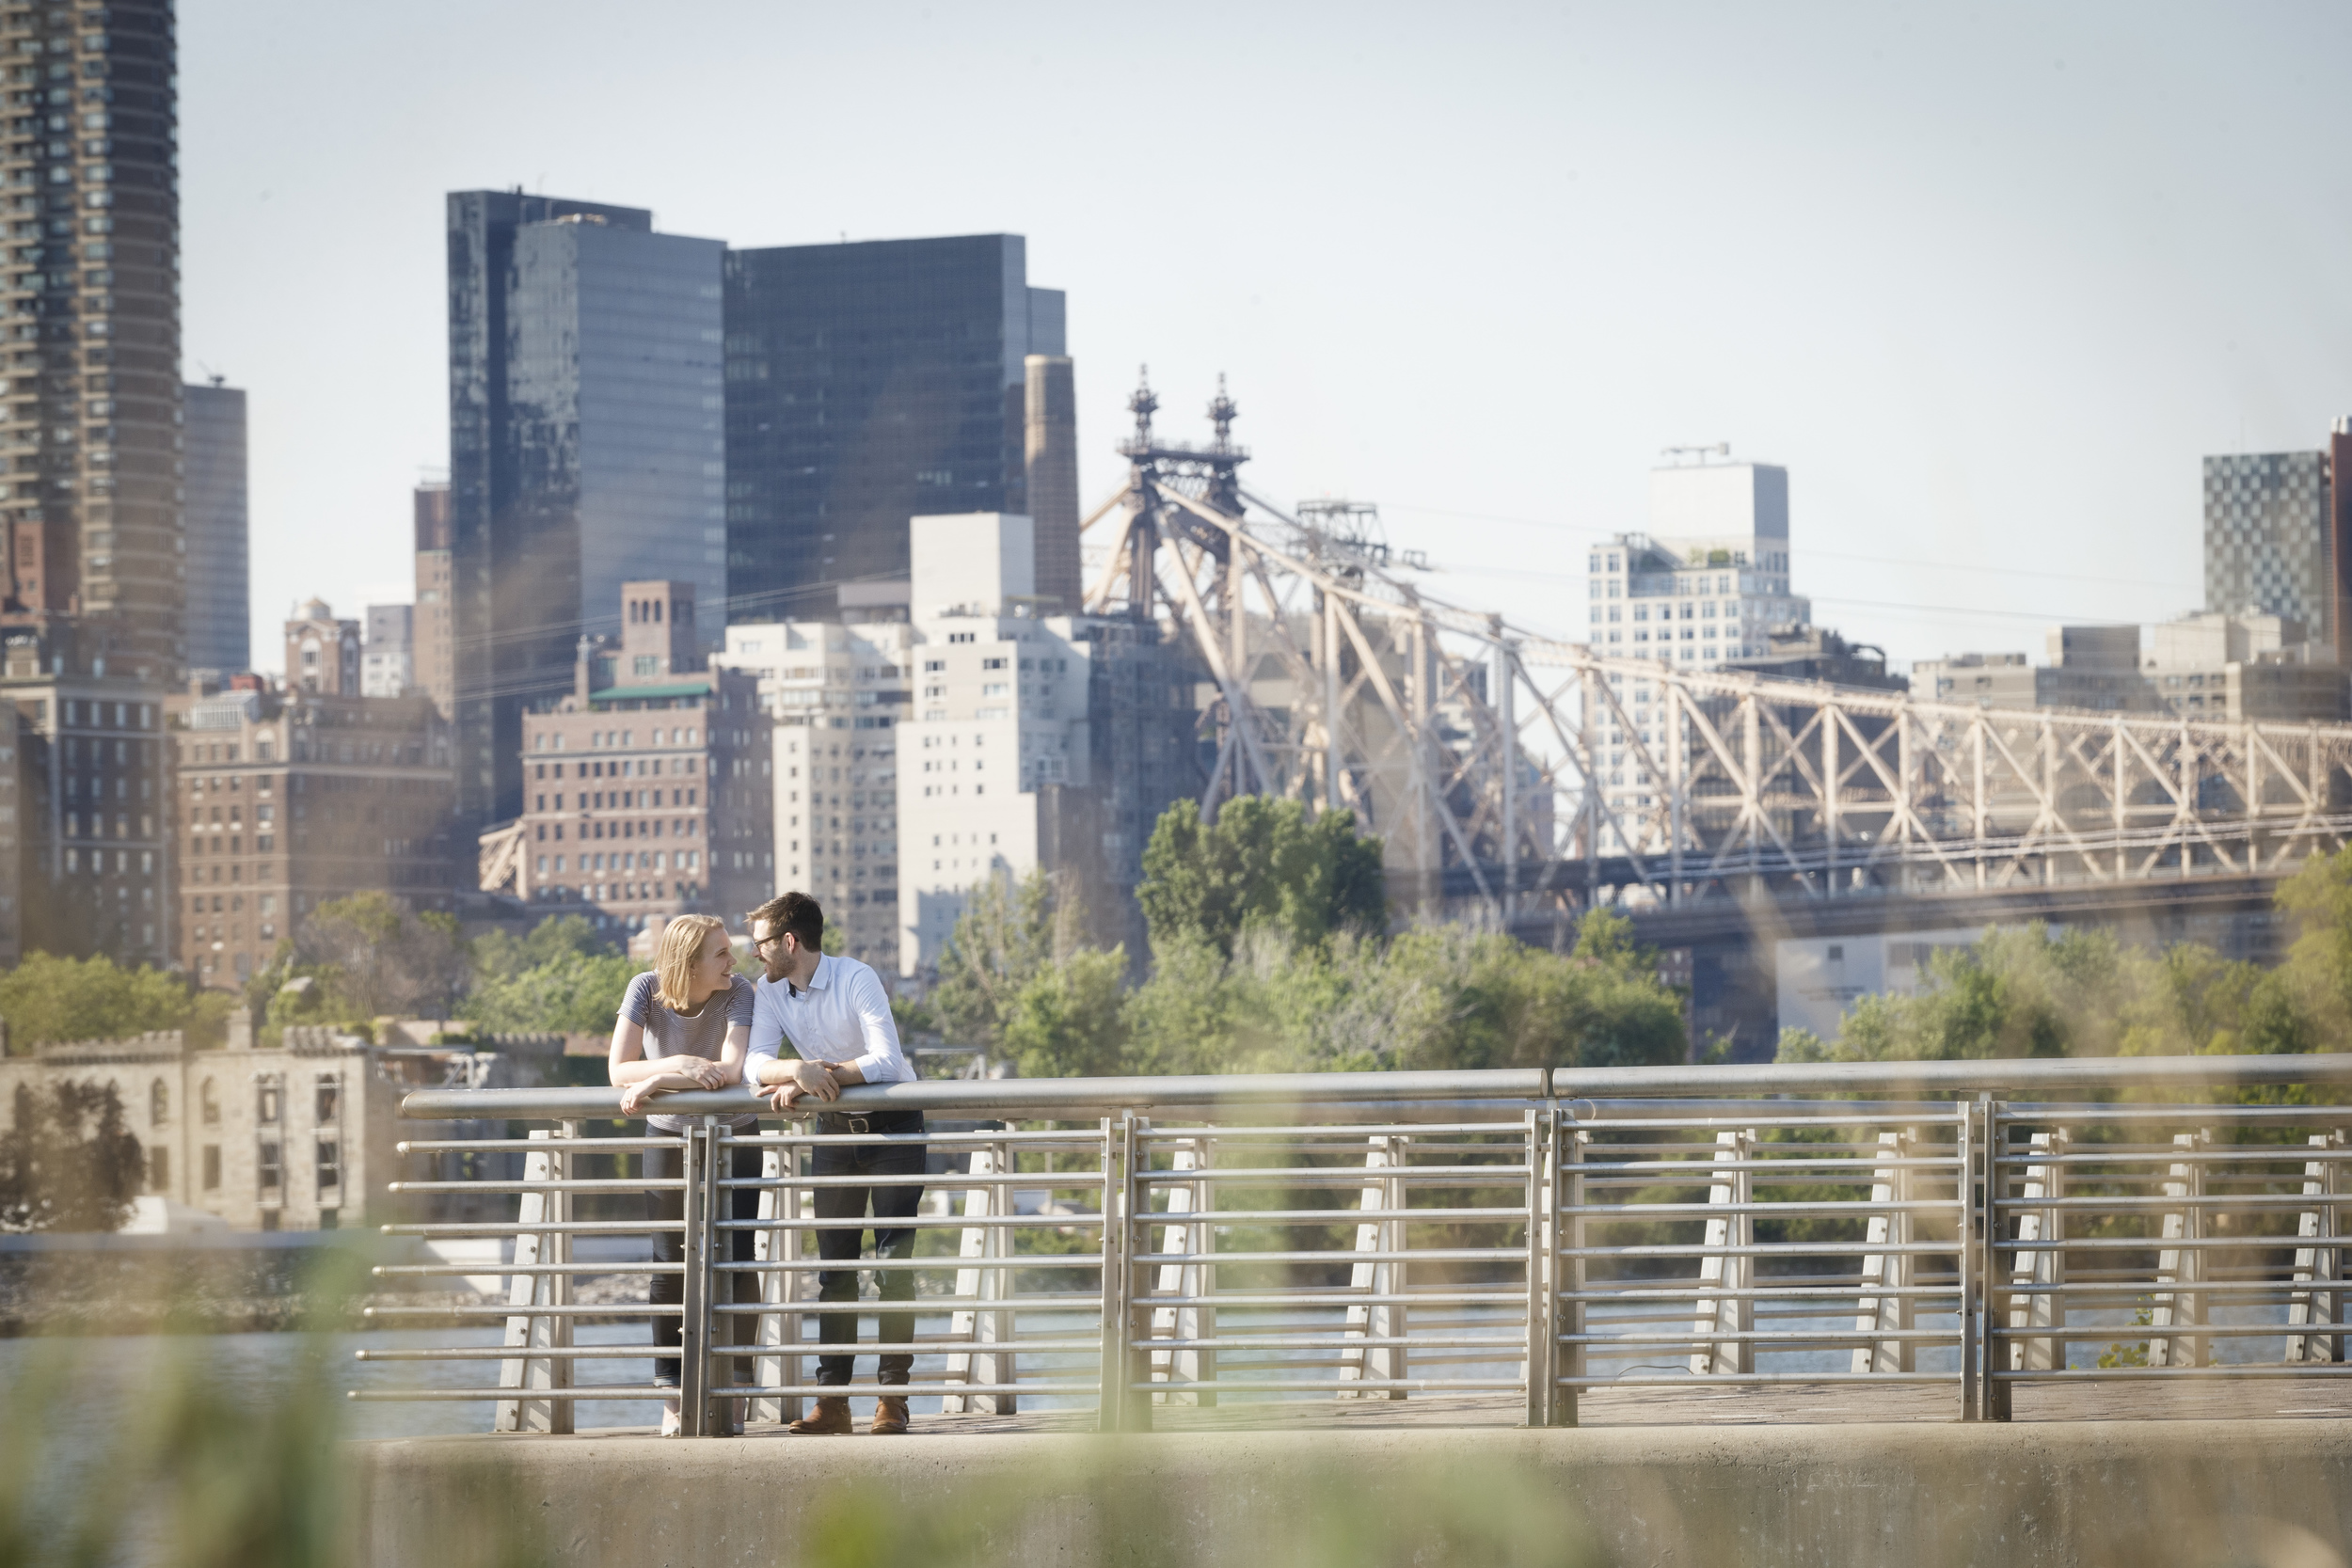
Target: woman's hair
681	948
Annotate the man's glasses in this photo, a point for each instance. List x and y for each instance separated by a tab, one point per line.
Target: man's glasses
758	943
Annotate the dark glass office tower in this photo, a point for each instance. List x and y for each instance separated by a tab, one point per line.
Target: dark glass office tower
587	449
90	407
220	580
868	384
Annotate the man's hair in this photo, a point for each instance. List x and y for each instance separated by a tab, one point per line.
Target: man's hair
798	914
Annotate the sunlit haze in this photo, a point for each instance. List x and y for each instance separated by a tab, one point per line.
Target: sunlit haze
1989	282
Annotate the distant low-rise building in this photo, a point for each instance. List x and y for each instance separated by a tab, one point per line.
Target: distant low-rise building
297	1136
647	791
283	800
2210	665
85	794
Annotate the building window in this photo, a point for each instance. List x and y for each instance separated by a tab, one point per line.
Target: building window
158	1103
330	1094
331	1166
209	1097
268	1170
159	1169
212	1167
267	1101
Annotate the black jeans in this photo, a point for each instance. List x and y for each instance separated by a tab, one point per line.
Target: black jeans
664	1163
890	1201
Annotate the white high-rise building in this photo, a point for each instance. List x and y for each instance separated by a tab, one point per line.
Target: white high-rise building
1000	717
836	691
1703	588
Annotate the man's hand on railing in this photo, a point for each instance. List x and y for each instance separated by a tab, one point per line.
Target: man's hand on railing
803	1079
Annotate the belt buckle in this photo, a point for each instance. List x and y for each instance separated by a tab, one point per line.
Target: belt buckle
859	1124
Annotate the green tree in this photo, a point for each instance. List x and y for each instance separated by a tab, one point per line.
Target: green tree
502	954
1009	934
1264	862
47	999
385	957
67	1161
1067	1022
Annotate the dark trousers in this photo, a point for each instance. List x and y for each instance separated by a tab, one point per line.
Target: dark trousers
665	1163
889	1201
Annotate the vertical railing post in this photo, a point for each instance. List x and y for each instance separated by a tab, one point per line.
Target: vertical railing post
778	1287
1195	1280
968	1325
2038	1271
2318	1266
1971	1230
1543	1332
1723	1316
696	1417
535	1251
1890	1271
2180	1266
1135	1409
1572	1280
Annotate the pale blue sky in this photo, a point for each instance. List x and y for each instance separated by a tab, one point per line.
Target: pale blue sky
1989	280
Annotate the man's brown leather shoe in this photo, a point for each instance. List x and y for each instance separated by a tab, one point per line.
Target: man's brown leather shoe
890	1417
830	1418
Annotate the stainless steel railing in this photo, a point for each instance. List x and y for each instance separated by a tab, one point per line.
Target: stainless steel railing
1148	1245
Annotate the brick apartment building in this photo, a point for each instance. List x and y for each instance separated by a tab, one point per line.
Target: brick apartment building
647	792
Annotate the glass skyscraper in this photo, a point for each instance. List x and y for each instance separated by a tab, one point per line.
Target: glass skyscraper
587	448
220	582
868	384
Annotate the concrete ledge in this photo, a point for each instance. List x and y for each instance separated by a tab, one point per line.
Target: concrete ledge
2273	1494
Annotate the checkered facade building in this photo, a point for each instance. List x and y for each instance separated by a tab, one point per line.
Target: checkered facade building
2269	539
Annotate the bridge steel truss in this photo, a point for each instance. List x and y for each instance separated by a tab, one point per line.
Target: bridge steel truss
1478	749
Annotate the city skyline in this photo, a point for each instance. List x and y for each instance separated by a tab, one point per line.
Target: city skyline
1990	290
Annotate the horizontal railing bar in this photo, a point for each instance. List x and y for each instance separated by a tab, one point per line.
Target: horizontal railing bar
1701	1339
1513	1296
531	1145
531	1228
1595	1168
924	1222
2159	1204
1329	1216
1333	1176
2124	1289
867	1390
956	1345
503	1310
848	1265
575	1393
1039	1301
2175	1243
521	1353
1044	1097
1767	1249
1762	1293
1026	1180
2166	1154
1699	1383
1860	1208
1342	1255
563	1185
490	1268
2119	1374
1328	1386
1505	1339
2129	1333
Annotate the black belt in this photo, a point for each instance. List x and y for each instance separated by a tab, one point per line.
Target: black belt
870	1121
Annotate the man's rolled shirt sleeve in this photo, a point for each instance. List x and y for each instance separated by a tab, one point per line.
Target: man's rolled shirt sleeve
884	1061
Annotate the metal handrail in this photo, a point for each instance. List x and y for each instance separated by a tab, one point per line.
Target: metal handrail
1492	1089
1552	1235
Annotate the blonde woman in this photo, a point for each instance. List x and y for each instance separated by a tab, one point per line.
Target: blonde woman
695	1012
